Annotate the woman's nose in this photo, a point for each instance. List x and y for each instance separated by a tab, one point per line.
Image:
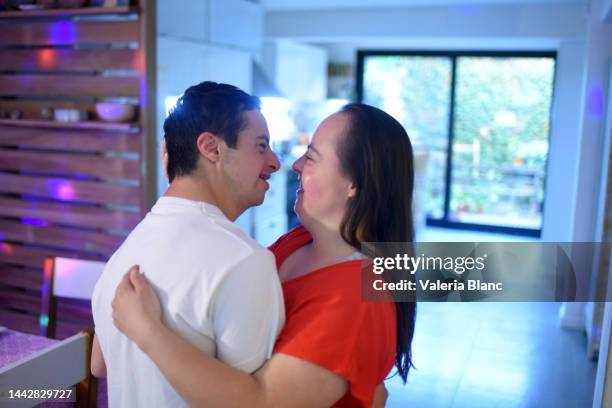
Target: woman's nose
298	165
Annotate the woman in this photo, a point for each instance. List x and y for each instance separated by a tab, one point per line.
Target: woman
356	187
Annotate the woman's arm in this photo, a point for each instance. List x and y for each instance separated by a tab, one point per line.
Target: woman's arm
204	381
380	397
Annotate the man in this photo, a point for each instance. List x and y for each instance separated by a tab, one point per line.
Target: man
219	289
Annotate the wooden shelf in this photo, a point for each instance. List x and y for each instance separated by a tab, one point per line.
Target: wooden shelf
81	11
89	125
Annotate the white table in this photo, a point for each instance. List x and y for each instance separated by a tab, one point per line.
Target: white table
34	362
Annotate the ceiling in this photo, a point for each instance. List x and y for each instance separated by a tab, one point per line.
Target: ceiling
277	5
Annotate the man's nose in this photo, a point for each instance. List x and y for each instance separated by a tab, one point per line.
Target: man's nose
273	162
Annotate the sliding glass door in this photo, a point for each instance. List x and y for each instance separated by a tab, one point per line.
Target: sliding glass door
480	121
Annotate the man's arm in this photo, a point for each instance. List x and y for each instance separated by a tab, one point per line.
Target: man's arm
98	366
248	312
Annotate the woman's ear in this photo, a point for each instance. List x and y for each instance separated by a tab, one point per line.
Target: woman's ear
352	191
208	146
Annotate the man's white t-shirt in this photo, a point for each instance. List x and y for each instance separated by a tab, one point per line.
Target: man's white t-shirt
218	288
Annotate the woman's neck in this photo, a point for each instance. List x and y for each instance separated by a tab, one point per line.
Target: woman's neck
328	246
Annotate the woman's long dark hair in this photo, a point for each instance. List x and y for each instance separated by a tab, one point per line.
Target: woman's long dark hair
376	155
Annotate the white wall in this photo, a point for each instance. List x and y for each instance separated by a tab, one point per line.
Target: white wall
607	10
573	168
181	64
195	43
592	113
505	21
344	4
563	158
299	70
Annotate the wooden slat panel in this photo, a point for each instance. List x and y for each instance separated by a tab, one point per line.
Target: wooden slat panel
70	190
81	11
62	85
21	277
72	316
17	255
50	59
63	329
35	257
69	214
70	140
74	309
69	164
84	125
69	33
23	322
32	109
60	237
25	301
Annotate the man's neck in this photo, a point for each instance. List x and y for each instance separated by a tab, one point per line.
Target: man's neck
196	189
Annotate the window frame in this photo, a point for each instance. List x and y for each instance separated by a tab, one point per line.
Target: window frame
453	55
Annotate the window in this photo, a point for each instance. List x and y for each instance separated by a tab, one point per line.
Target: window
481	119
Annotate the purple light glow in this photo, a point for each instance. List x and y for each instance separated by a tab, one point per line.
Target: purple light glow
33	201
62	32
143	92
60	189
595	101
34	221
142	71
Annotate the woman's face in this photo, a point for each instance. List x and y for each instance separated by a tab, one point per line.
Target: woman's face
324	190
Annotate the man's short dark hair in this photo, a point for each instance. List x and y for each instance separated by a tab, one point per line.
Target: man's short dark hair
206	107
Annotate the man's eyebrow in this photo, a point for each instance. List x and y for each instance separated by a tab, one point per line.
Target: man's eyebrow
266	138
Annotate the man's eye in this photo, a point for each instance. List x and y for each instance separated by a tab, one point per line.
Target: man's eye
308	157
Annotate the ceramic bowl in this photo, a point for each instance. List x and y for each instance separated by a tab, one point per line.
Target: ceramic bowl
115	112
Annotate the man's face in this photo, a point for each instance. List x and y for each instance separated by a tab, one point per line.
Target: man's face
247	168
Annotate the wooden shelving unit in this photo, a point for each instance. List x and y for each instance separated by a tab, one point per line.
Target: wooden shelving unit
85	125
71	189
83	11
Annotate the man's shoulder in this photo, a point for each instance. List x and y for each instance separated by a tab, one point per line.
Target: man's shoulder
194	230
198	249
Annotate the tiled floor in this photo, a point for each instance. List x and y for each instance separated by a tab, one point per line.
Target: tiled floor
495	355
492	354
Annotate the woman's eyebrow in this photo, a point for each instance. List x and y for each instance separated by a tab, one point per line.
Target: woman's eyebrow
312	148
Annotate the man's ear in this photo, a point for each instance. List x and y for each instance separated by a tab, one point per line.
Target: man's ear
164	158
208	146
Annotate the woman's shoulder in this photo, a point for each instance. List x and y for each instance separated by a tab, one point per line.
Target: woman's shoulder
335	290
330	302
295	233
287	243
